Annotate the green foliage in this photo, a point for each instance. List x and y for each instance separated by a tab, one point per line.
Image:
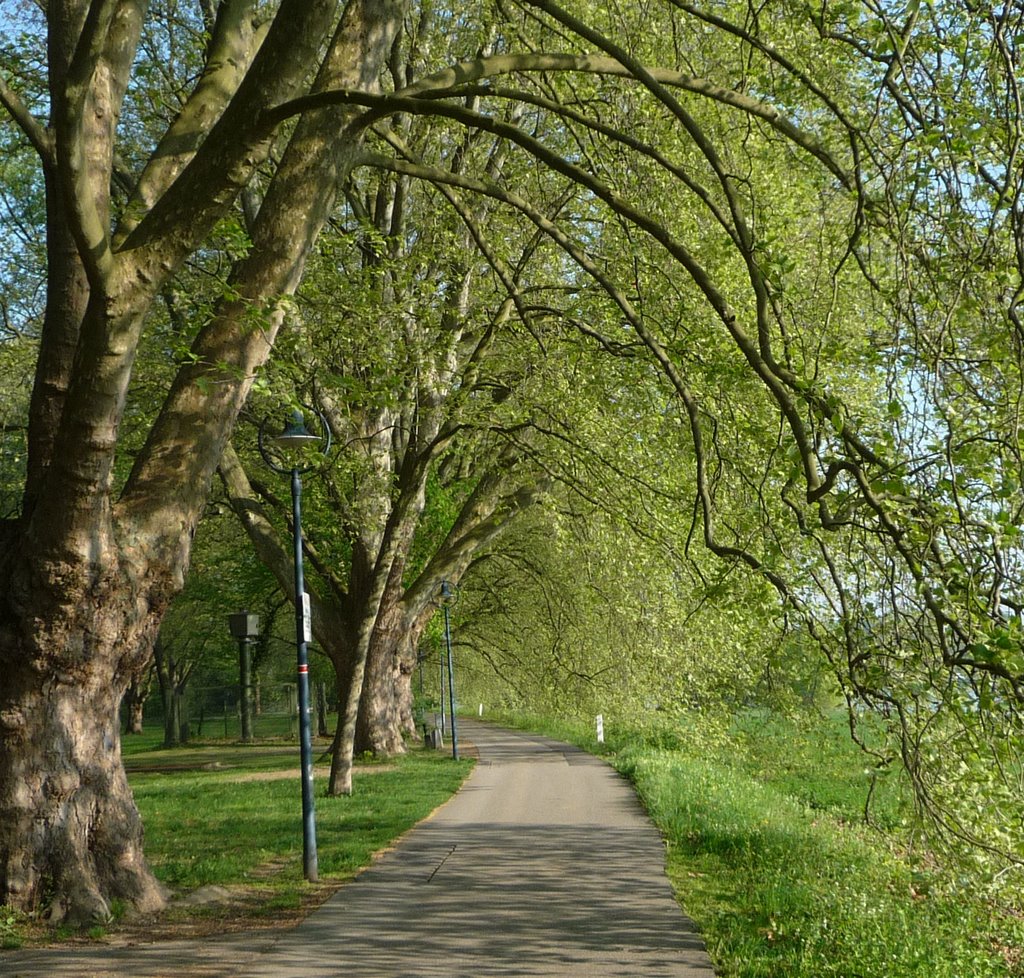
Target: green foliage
577	614
813	760
225	577
12	923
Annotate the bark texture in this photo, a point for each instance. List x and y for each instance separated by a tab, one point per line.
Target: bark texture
70	836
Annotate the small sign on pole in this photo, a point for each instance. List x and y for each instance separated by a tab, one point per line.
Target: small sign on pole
307	619
600	728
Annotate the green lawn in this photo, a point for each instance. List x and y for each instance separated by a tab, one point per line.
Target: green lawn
222	825
768	846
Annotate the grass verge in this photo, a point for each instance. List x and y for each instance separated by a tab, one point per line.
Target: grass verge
225	827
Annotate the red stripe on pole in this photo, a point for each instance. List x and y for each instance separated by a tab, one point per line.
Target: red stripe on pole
303	669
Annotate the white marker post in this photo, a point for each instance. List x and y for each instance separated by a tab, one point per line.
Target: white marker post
600	728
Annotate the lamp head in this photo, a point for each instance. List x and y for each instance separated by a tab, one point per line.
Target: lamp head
244	626
448	593
295	434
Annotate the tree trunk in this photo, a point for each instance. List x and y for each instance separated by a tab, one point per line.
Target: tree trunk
173	679
321	710
385	707
134	703
108	552
70	836
136	714
350	683
70	832
172	719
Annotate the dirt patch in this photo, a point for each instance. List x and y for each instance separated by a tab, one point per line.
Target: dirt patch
206	912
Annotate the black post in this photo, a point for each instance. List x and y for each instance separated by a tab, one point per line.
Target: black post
451	684
245	628
423	704
309	859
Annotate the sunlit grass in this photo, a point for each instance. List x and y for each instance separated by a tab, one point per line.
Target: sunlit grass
222	826
783	889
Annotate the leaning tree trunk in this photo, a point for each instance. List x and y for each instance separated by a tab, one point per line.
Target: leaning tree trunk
70	835
79	619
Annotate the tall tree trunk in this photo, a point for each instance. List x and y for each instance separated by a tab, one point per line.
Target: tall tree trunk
321	709
172	718
385	707
134	703
70	836
173	679
108	553
350	684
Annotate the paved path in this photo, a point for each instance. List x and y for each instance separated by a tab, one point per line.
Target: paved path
544	864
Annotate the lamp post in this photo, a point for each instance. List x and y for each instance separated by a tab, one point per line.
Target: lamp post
422	712
449	595
444	724
245	627
295	437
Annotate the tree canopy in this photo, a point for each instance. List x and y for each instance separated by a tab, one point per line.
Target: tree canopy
805	219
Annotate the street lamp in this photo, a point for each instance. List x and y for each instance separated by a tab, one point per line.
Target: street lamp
296	437
245	627
444	722
449	596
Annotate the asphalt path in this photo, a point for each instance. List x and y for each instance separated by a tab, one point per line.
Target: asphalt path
544	864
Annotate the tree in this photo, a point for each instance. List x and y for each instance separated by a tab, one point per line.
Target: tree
576	615
810	223
599	602
813	232
134	702
417	393
98	549
194	642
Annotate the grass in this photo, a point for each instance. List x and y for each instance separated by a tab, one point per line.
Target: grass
780	888
217	827
230	815
770	854
767	844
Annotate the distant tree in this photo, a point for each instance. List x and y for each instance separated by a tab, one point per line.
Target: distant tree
417	394
134	703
